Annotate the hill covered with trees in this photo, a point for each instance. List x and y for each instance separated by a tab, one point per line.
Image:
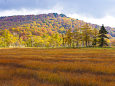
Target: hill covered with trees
41	30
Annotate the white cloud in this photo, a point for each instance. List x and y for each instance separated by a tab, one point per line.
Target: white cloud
106	20
56	9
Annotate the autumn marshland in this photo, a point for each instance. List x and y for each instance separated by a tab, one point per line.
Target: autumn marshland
57	67
57	43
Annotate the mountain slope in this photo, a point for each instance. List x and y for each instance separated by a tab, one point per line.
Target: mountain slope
43	24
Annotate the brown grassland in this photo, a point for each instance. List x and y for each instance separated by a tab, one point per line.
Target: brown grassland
57	67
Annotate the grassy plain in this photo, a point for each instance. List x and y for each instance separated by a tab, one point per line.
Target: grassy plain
57	67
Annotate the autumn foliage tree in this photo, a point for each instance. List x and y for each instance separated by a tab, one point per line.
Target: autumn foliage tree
86	34
95	37
85	37
46	30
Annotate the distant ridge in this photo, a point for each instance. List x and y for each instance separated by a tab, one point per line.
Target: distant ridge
50	23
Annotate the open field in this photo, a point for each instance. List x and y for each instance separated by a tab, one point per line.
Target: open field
57	67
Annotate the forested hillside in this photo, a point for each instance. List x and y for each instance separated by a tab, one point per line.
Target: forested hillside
44	22
39	30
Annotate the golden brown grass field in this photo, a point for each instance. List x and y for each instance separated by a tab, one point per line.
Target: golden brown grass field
57	67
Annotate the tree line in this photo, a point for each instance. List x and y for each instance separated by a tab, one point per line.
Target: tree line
9	39
86	37
77	37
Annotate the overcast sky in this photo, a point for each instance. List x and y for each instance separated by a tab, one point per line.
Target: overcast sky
93	11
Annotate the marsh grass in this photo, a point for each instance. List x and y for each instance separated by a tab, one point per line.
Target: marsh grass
57	67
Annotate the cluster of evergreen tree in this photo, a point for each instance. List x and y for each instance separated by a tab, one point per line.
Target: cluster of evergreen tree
85	37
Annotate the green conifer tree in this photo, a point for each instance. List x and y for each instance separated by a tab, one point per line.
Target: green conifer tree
102	36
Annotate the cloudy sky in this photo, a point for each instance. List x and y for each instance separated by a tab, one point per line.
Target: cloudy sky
93	11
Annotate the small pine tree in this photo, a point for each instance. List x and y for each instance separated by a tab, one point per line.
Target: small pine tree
102	36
